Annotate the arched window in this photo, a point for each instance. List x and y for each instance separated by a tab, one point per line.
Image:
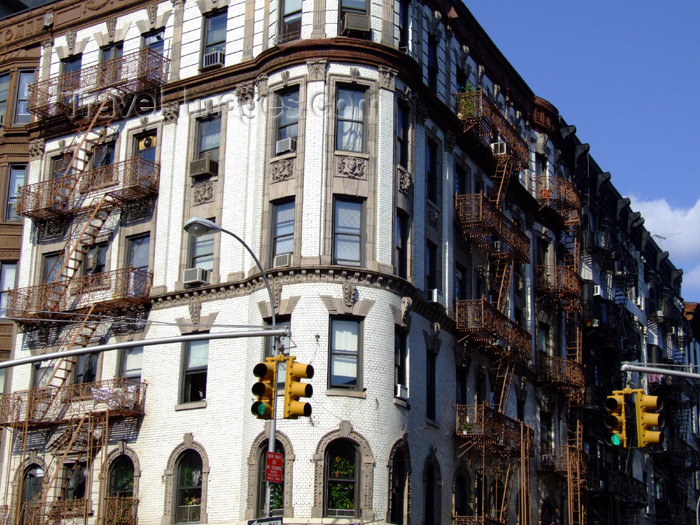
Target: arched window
120	505
399	486
429	494
342	479
30	485
463	494
189	488
276	489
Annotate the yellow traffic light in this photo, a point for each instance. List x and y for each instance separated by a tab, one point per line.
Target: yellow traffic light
615	420
266	372
294	389
647	419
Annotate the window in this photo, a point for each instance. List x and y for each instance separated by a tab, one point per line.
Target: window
138	254
121	478
432	63
103	155
460	283
209	139
8	280
431	279
4	93
30	487
347	242
22	115
345	353
195	381
284	342
283	228
189	488
96	259
203	252
290	20
51	266
146	146
41	374
74	488
399	485
350	120
110	66
342	479
431	171
15	180
287	113
400	358
155	41
214	40
86	368
401	249
404	23
62	165
276	489
353	6
461	181
131	363
430	387
402	136
461	384
70	78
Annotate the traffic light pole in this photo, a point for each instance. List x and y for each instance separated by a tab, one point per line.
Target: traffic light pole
644	369
197	226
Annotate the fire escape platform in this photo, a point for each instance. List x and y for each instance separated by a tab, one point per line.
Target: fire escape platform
120	397
482	323
553	461
565	374
71	93
484	224
559	194
480	425
561	284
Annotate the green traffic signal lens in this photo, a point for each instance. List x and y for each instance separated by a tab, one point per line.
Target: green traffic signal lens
261	409
615	440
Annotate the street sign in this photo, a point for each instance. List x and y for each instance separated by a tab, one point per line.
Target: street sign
273	467
266	521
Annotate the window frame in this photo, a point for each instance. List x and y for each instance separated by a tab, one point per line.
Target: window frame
333	452
338	233
400	357
404	16
159	35
282	105
277	489
402	135
432	169
4	78
180	489
212	153
402	235
363	122
112	491
432	63
12	193
287	31
431	266
123	359
216	45
5	268
191	375
279	207
356	353
19	98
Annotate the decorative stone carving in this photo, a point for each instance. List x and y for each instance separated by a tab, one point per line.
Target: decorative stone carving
352	167
95	5
203	193
70	40
195	308
36	148
245	92
111	24
152	13
171	111
277	296
261	85
406	303
387	77
450	141
480	74
354	74
421	112
282	170
285	78
317	69
349	294
433	215
405	181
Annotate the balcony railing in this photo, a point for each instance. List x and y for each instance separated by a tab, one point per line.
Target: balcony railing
127	180
476	110
560	371
557	193
559	282
490	426
123	287
477	520
69	93
120	396
484	324
553	459
485	225
120	510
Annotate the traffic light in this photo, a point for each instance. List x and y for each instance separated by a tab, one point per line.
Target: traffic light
646	419
266	372
294	389
615	420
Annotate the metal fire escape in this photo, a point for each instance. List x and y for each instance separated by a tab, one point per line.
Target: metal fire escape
503	445
70	423
563	285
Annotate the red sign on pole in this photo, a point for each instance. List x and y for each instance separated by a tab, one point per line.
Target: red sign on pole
273	467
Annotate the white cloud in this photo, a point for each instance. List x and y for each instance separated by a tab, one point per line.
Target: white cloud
676	230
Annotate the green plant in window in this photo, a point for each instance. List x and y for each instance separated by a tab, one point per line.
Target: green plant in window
466	101
342	467
341	496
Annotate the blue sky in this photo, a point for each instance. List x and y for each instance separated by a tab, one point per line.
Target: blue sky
627	75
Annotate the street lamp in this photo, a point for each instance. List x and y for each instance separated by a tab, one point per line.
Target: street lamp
197	227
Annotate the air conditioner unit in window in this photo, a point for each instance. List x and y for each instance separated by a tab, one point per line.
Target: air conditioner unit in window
354	24
499	148
435	296
283	259
597	291
401	392
195	276
204	168
285	145
214	59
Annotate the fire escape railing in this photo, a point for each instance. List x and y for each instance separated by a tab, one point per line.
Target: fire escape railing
485	225
65	94
119	396
553	458
480	421
559	194
559	371
559	282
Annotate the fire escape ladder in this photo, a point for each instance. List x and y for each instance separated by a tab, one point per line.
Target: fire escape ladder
84	240
573	336
503	275
501	178
503	505
504	381
524	492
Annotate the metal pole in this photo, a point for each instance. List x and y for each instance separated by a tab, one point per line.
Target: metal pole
628	367
272	435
